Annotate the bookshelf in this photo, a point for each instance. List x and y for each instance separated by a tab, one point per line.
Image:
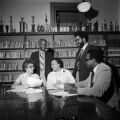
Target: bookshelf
15	47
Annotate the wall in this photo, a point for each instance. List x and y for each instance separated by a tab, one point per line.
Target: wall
108	9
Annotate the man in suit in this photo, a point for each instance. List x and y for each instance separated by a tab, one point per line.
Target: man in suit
81	71
99	83
43	68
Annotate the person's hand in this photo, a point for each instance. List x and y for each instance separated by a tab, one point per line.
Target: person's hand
67	86
71	88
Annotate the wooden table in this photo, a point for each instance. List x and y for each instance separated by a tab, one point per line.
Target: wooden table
44	106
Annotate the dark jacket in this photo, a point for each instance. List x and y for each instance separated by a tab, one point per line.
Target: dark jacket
49	55
83	69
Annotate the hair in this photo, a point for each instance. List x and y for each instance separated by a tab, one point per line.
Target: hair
42	39
59	61
96	53
25	64
82	35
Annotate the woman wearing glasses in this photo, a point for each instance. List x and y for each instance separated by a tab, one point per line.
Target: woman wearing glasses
28	78
59	76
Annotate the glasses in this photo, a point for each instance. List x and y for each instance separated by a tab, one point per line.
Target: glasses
87	59
77	39
31	66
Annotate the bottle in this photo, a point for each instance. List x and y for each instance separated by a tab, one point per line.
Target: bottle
38	28
7	28
105	25
1	24
11	26
42	28
89	25
111	26
46	25
116	26
22	25
33	24
102	27
58	23
96	26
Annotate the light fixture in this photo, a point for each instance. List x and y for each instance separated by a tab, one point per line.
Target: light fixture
92	13
84	6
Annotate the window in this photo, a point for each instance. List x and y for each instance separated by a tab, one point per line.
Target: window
67	13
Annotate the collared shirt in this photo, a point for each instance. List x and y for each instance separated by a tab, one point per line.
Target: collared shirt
84	46
95	68
56	80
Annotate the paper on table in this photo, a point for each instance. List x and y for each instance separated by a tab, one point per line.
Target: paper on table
32	90
27	90
61	93
17	89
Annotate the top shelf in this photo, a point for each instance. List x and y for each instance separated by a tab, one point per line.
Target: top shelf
57	33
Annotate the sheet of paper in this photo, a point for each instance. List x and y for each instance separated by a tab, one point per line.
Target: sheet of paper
26	90
32	90
61	93
17	89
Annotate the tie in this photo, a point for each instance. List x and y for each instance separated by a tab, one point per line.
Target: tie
42	61
81	52
92	75
78	57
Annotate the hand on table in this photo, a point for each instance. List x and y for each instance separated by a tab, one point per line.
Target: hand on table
71	88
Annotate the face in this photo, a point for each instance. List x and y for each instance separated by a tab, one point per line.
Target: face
42	45
55	66
30	68
89	62
78	41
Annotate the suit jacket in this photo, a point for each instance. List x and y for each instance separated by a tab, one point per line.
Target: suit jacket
49	55
83	69
103	86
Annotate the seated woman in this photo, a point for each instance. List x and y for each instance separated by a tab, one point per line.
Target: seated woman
59	76
28	78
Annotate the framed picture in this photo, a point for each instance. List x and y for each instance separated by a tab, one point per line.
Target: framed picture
67	13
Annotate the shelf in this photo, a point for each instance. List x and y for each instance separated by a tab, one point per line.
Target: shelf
11	58
114	56
59	33
11	70
66	47
11	49
6	83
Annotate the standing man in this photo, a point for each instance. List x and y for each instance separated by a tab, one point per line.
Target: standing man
100	82
42	59
80	71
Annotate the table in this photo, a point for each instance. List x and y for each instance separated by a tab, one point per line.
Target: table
44	106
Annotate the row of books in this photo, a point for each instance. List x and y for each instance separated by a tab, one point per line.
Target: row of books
69	64
66	52
11	66
34	44
4	78
114	42
114	61
20	54
11	54
20	44
11	44
114	52
64	43
16	54
98	42
18	66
